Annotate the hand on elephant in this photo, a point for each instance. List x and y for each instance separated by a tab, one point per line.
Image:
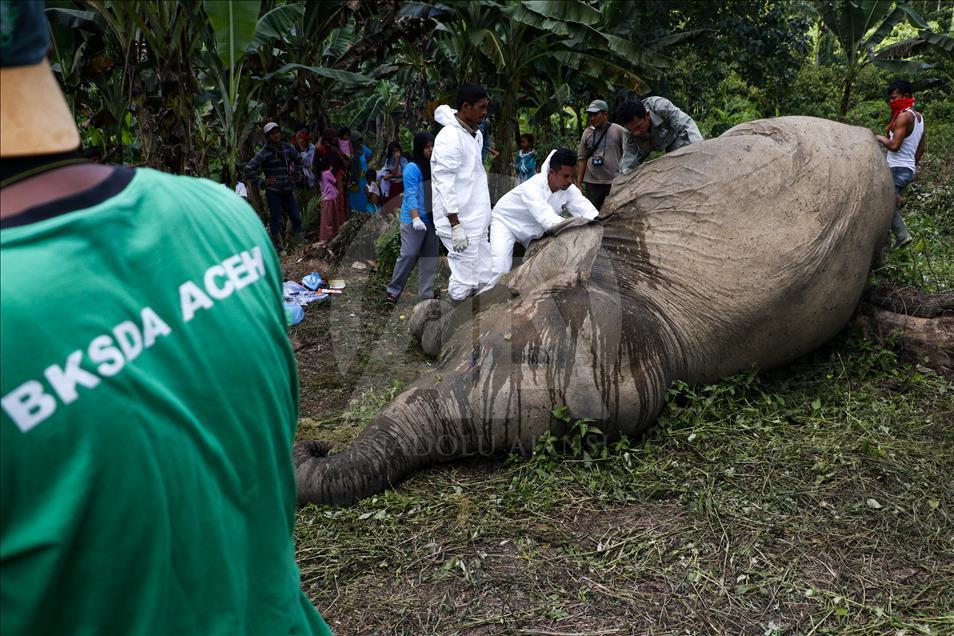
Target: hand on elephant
573	221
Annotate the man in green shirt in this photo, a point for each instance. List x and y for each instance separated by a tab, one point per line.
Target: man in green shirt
652	124
149	393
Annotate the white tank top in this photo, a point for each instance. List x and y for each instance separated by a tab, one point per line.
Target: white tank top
903	157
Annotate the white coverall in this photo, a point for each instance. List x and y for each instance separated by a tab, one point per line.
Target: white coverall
459	185
529	210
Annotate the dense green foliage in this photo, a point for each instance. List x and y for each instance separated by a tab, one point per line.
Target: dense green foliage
185	85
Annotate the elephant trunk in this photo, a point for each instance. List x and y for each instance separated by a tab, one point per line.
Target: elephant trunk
416	430
603	356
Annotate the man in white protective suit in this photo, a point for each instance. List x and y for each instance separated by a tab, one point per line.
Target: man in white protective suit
535	206
461	196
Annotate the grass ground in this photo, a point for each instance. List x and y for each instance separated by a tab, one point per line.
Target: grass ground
816	499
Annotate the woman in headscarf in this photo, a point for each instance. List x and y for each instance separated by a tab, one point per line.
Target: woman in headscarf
358	190
419	242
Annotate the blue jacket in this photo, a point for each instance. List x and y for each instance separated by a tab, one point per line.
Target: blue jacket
416	196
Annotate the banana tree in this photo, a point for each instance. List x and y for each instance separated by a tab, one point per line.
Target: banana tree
98	50
165	106
316	54
233	31
382	107
507	45
936	47
862	25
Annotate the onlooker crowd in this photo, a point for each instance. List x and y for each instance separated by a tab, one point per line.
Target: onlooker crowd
442	192
338	170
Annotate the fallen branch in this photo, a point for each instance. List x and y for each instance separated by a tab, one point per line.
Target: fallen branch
921	324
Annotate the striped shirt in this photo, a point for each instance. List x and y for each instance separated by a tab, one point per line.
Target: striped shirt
282	162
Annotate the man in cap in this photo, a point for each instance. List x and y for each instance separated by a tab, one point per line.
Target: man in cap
149	393
654	123
600	151
282	166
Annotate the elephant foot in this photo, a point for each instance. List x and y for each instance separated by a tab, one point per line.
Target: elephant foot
426	324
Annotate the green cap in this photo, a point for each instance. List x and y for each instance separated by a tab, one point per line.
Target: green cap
24	33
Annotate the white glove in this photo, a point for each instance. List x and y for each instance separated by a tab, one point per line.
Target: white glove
418	224
458	238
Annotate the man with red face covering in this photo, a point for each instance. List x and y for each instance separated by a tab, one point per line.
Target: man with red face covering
905	144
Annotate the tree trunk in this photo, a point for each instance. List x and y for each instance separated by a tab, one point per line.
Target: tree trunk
846	95
921	324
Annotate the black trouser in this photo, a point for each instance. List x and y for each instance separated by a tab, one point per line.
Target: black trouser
280	203
597	192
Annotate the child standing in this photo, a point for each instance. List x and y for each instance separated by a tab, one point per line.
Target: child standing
525	163
344	141
329	199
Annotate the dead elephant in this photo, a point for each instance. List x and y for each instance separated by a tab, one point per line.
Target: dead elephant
746	250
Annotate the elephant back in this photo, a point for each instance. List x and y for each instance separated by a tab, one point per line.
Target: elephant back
755	245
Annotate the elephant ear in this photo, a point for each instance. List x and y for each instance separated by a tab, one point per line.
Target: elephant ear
564	256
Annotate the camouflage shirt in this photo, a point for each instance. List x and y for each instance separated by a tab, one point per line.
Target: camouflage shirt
671	129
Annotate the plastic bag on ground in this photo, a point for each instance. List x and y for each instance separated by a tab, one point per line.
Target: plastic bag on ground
313	281
293	313
295	293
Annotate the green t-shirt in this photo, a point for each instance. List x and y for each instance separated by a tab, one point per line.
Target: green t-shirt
149	402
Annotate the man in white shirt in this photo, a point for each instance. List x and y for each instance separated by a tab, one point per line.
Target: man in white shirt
905	144
461	195
535	206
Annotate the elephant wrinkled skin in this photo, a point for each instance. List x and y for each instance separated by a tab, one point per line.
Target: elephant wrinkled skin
746	250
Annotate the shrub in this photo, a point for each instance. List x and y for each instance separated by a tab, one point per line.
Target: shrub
817	89
873	114
939	124
388	247
311	213
736	110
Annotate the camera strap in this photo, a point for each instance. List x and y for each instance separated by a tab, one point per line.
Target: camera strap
596	145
